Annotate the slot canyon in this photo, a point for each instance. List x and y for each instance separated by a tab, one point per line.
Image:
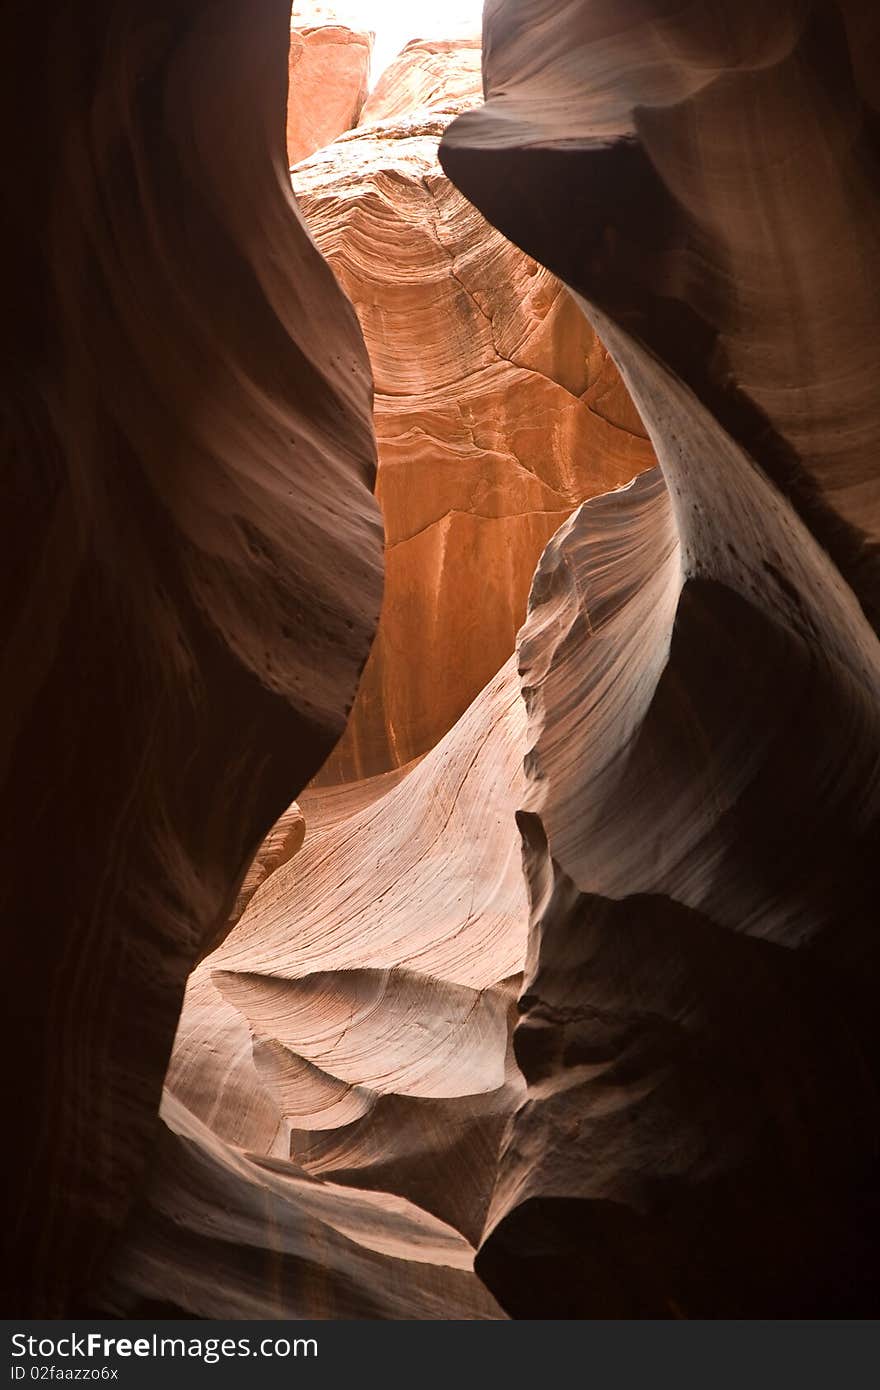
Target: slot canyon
441	753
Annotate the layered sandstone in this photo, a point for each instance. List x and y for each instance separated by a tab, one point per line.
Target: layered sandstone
355	1047
192	569
701	666
280	845
224	1234
497	409
428	75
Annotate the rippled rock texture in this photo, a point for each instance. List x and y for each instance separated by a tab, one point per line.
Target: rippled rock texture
329	66
429	74
497	408
699	1033
191	567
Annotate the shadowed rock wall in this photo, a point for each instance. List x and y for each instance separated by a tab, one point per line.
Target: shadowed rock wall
701	666
191	566
497	408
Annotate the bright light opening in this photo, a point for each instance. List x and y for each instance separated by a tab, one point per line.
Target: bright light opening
395	22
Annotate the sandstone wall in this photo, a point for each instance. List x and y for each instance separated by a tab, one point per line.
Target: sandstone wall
497	408
701	665
191	562
329	70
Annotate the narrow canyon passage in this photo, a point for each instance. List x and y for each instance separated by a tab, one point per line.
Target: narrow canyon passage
443	676
355	1026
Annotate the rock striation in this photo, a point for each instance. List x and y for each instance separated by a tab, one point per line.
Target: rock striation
701	666
428	75
555	995
279	847
191	569
497	408
346	1058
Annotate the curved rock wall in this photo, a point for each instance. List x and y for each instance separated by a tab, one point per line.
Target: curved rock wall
354	1029
497	409
701	667
428	75
226	1235
355	1044
192	568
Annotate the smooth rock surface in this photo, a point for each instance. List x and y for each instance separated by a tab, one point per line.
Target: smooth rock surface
280	845
228	1235
701	665
329	72
570	1009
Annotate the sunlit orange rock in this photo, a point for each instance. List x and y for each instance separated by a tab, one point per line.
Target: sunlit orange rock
354	1030
428	75
497	409
329	68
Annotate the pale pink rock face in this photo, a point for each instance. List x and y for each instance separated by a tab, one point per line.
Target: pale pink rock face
701	663
428	74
